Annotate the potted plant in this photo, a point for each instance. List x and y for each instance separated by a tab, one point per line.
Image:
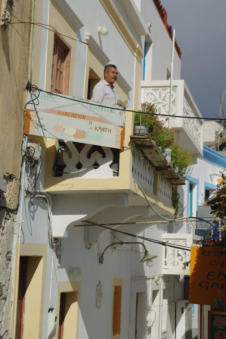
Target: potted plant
163	136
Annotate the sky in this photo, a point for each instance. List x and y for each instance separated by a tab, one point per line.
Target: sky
201	33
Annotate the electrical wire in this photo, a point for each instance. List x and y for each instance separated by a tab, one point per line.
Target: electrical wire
53	29
168	219
33	87
155	241
45	26
163	243
155	210
35	101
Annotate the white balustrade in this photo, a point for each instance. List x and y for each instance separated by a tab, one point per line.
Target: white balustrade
189	132
165	190
143	174
175	260
88	162
142	170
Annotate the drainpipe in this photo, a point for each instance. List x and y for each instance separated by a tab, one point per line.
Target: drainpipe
171	72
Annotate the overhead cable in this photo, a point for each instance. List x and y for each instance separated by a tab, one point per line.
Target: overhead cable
155	241
33	87
45	26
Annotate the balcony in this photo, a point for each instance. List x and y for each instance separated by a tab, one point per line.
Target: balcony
91	149
176	261
188	132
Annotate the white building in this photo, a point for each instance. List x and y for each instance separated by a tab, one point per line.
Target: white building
83	172
202	181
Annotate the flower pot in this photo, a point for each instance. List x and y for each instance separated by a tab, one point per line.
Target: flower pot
141	130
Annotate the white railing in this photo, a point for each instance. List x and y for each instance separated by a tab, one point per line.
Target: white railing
142	171
87	162
182	103
164	190
143	174
176	261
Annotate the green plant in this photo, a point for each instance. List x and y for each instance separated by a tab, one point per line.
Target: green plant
163	136
180	157
218	202
177	204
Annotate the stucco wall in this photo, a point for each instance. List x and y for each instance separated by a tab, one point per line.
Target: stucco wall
14	52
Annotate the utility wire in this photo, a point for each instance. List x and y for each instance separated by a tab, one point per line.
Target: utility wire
155	241
33	87
154	209
53	29
150	222
45	26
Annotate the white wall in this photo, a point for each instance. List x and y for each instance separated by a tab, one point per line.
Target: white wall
161	43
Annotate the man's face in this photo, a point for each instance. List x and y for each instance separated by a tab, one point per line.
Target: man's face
111	75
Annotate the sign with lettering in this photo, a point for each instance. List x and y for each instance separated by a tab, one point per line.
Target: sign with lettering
217	325
208	276
61	117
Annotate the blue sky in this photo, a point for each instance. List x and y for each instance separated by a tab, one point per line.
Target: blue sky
201	33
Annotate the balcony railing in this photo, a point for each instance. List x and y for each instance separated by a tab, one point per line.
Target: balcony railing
176	261
189	132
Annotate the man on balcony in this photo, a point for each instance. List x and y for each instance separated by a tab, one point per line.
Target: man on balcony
104	91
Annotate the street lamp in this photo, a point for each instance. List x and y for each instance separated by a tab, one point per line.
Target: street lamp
147	255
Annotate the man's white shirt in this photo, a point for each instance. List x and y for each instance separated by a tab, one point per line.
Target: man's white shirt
104	94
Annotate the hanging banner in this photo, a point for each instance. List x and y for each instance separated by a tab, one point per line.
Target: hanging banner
60	117
208	276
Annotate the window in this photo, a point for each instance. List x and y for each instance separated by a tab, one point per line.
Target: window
93	80
60	66
117	304
147	60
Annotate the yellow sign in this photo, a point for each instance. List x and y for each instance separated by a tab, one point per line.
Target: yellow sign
208	276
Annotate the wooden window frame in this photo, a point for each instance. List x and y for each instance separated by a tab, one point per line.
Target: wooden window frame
66	65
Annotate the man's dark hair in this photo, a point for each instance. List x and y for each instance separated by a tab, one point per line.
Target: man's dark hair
106	67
